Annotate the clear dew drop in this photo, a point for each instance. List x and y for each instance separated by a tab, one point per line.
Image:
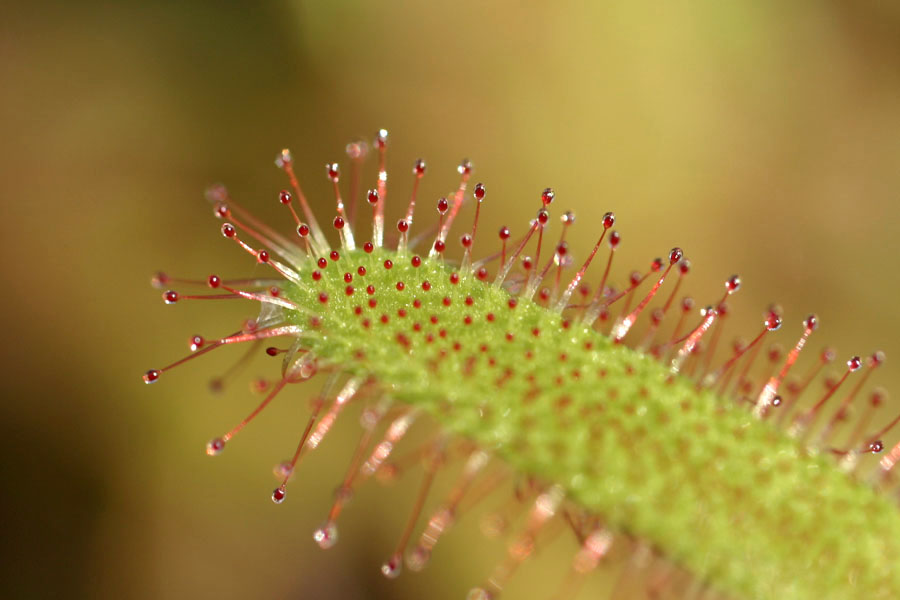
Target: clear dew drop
326	536
305	366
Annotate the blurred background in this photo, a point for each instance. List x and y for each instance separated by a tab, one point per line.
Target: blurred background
762	137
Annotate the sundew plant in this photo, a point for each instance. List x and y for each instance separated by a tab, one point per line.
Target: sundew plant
622	417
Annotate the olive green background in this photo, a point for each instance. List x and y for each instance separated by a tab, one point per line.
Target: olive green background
762	137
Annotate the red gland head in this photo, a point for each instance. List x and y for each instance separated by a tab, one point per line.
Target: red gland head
381	137
811	322
877	358
547	196
196	342
327	535
733	284
419	168
391	569
333	171
609	219
879	395
215	446
675	254
614	239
